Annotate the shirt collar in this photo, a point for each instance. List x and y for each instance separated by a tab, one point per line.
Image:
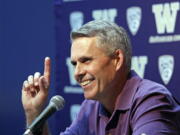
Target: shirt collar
103	111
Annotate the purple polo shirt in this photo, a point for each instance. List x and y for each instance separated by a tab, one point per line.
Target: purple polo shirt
143	108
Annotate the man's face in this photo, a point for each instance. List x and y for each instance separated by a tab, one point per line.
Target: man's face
94	70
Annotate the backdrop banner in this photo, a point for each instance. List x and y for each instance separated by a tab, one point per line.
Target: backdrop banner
154	29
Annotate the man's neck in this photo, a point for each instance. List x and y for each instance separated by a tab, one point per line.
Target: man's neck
109	102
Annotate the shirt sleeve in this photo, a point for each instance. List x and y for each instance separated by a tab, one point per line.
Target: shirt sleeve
155	114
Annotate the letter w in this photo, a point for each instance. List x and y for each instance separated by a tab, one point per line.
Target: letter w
165	16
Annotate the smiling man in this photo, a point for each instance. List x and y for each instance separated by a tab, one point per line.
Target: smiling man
117	101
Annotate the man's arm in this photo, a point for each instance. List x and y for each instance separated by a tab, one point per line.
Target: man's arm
35	93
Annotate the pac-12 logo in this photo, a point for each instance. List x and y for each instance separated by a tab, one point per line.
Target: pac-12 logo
133	16
166	67
76	20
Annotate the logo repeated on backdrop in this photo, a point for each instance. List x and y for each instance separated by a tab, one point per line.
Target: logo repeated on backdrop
76	20
133	17
139	64
166	67
165	16
105	14
74	110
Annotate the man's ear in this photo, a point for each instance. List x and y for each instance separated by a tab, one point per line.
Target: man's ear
118	59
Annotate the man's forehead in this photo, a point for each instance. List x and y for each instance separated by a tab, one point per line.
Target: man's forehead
82	44
85	47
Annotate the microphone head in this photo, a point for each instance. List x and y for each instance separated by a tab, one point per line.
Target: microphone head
58	102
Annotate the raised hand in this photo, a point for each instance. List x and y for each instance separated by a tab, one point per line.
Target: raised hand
35	92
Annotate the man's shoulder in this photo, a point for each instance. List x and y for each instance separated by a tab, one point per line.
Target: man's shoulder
147	87
150	93
148	90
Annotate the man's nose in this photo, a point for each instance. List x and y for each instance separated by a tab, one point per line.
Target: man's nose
79	72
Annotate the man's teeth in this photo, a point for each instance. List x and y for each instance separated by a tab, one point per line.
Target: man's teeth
85	82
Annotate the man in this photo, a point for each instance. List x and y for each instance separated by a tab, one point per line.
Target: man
117	101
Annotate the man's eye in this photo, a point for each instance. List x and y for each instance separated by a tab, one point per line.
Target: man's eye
85	60
73	63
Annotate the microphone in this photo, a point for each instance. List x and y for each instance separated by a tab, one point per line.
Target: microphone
56	103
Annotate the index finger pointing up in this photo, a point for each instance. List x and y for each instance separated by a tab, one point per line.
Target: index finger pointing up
47	68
